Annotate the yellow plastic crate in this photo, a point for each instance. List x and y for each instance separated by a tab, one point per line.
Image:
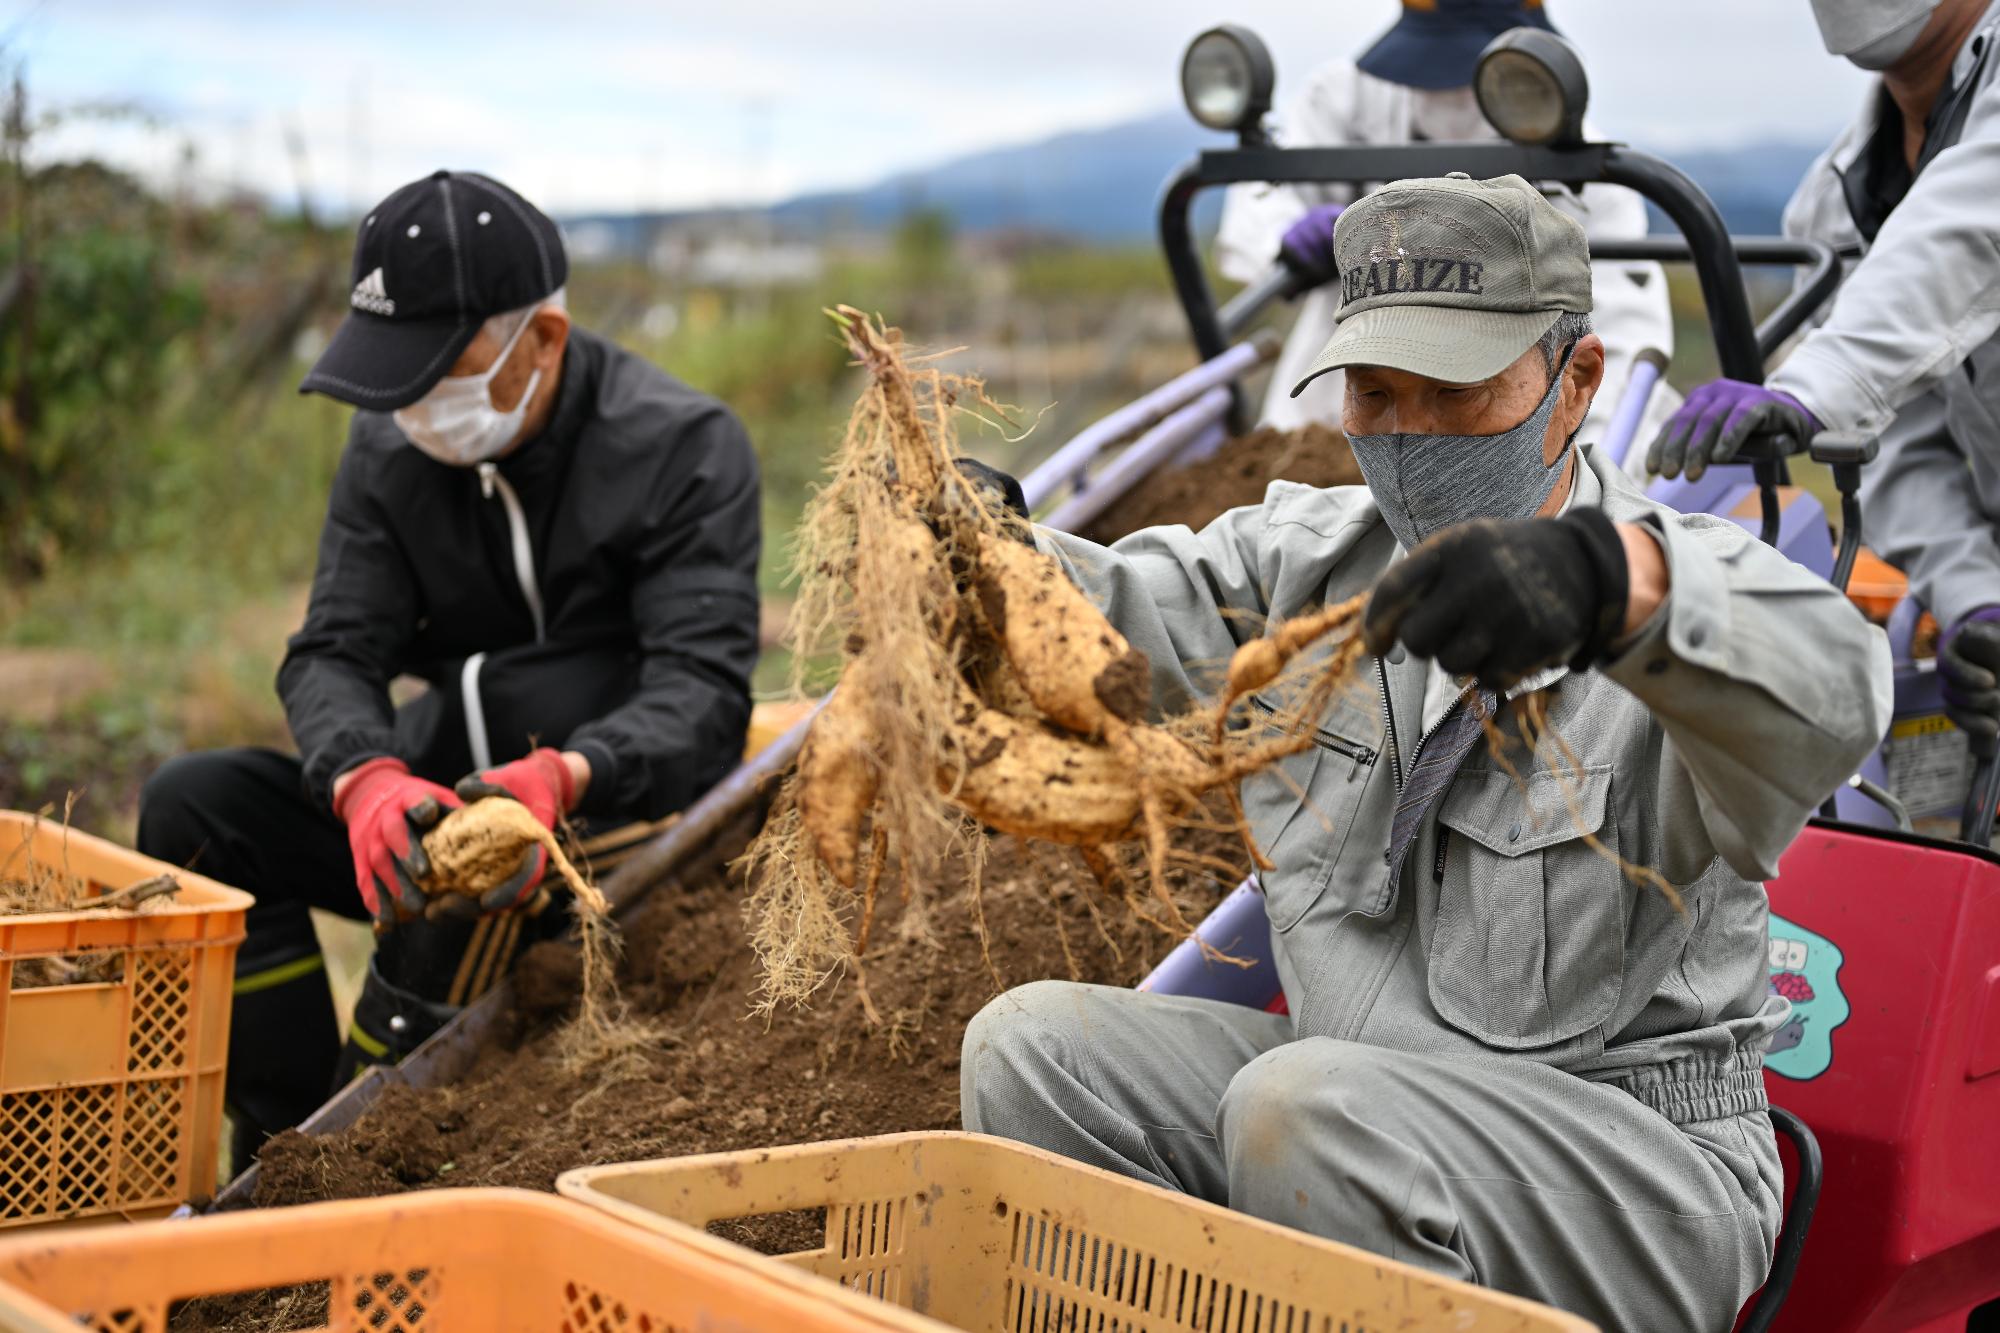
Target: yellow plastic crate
444	1261
990	1236
111	1090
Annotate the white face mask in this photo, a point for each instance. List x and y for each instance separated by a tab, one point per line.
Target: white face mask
456	421
1448	115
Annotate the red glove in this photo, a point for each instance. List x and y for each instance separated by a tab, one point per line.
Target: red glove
541	781
387	811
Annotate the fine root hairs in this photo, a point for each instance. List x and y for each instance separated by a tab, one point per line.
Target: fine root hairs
982	691
480	845
1564	765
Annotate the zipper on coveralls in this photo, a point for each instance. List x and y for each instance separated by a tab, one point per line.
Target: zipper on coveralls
1362	755
1389	722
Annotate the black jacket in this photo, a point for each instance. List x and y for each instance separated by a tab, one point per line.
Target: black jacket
641	511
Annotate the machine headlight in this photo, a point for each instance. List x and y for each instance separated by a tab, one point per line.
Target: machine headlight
1531	87
1226	79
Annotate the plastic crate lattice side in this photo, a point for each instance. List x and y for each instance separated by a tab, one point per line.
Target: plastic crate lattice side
1063	1278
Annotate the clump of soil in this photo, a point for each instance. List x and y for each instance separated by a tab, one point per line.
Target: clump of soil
1237	474
716	1078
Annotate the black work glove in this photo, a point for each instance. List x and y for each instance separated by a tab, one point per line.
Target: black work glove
1969	668
994	486
1501	600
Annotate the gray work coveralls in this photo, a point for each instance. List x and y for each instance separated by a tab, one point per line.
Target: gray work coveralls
1513	1066
1908	347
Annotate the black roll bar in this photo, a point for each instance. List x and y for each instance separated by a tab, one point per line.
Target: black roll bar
1708	246
1820	260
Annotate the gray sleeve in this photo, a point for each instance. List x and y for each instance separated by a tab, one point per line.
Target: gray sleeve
1771	689
1183	598
1925	295
1921	513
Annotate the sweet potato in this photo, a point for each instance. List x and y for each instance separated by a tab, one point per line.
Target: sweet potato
837	780
1078	670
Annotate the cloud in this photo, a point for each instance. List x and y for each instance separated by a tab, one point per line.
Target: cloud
593	104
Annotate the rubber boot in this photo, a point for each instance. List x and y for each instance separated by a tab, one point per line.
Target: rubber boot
389	1023
283	1043
422	974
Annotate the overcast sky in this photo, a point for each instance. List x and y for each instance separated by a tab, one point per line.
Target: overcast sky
590	104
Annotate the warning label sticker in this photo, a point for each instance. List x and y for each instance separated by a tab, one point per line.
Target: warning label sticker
1929	765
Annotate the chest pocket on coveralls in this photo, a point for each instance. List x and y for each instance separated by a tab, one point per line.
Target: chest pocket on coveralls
1528	943
1301	810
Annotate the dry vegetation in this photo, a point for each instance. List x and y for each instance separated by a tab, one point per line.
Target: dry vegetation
32	883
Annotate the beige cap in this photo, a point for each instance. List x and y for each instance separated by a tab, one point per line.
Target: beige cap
1451	278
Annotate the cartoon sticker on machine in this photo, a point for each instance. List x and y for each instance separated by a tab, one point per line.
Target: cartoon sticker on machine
1805	969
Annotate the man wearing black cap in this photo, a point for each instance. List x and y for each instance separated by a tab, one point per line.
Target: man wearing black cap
1414	85
560	540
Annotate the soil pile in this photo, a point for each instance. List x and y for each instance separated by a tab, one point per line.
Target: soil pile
1198	493
718	1079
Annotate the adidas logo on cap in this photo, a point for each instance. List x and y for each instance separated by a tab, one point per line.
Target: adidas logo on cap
370	295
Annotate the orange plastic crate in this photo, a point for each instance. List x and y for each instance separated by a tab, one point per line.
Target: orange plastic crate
444	1261
111	1092
989	1236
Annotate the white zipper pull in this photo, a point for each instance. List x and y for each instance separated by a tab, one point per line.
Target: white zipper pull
517	533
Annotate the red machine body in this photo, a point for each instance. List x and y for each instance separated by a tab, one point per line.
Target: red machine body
1889	947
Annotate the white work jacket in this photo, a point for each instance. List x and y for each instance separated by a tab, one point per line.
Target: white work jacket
1908	347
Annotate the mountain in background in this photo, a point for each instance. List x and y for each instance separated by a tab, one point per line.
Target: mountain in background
1098	185
1102	186
1749	184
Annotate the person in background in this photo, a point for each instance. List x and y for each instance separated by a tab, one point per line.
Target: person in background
560	540
1908	347
1414	85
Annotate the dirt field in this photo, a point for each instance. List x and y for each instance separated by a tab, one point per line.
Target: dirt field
1234	475
721	1079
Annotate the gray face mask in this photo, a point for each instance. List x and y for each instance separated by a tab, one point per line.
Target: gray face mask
1873	34
1426	483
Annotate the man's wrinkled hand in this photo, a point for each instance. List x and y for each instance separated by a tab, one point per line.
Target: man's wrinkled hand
1501	600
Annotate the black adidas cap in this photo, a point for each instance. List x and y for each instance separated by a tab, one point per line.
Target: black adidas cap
432	262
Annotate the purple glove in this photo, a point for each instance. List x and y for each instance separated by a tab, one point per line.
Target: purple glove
1308	245
1969	670
1715	421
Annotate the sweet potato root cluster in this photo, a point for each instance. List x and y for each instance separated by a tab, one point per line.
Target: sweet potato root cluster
479	846
982	690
